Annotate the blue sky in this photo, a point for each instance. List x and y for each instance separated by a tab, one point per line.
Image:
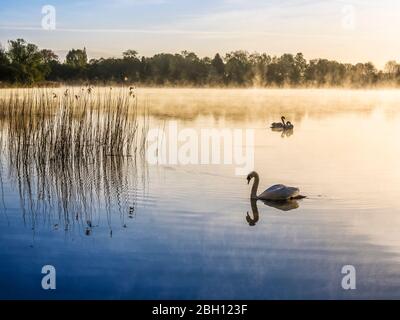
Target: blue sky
348	31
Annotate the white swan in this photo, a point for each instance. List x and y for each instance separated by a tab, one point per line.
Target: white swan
278	125
277	192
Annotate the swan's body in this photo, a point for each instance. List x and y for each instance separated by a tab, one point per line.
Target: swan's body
288	126
282	125
278	125
278	192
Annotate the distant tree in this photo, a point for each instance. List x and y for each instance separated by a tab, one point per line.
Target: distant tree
363	74
322	72
49	62
48	56
76	66
162	68
218	65
76	58
5	68
130	65
392	71
300	67
3	56
26	61
130	54
23	62
237	67
145	70
391	67
259	63
283	70
194	69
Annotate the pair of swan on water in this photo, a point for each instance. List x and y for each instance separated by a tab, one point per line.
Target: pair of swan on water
282	125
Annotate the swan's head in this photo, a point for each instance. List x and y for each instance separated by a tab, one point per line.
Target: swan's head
289	124
283	118
251	175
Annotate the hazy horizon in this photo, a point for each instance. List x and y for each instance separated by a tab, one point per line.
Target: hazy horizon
346	31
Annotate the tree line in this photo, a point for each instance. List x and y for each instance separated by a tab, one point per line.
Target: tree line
23	63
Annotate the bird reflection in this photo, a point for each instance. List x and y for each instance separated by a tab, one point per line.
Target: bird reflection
287	133
284	132
287	205
283	205
252	221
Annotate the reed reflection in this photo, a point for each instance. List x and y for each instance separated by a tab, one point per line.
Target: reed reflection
74	160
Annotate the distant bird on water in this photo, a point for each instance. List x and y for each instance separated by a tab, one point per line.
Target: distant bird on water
279	125
282	125
288	126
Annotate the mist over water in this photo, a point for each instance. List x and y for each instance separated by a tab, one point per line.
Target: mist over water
117	227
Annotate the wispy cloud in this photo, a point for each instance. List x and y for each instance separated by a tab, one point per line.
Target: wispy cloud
312	26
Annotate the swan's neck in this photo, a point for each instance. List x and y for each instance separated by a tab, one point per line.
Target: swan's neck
254	188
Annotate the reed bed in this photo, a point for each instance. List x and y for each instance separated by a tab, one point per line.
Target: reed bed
73	123
72	151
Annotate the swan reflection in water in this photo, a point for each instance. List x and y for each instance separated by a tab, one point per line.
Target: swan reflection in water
287	205
284	132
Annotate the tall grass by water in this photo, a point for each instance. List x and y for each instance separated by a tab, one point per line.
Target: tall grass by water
73	123
69	151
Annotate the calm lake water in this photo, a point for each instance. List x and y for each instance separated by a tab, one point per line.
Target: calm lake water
117	228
